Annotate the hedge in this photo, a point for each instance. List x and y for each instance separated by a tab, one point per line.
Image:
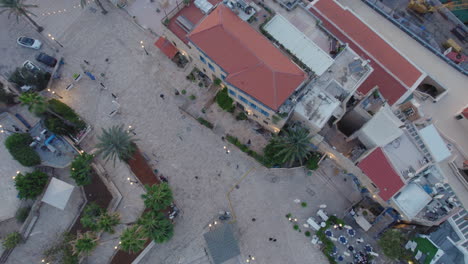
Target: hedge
205	122
18	146
30	185
244	148
67	113
224	101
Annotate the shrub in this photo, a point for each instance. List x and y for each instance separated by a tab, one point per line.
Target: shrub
67	113
30	185
205	122
91	214
391	243
133	239
304	204
11	240
184	91
57	126
217	82
307	233
84	243
270	152
244	148
18	146
106	222
296	227
288	215
22	213
192	97
61	251
312	162
241	116
81	170
22	76
224	101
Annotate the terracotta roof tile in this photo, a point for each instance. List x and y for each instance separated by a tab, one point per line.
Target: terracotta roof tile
166	47
379	169
252	63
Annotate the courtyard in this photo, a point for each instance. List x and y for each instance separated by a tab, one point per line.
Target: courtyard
205	179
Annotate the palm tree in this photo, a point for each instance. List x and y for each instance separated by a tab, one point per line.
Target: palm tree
83	3
19	8
84	243
106	222
157	226
158	196
133	239
36	103
293	146
115	143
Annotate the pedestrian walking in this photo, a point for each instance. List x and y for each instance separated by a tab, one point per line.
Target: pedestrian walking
113	95
162	96
85	61
102	85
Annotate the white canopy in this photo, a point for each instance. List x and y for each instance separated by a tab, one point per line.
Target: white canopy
299	44
58	193
435	143
412	200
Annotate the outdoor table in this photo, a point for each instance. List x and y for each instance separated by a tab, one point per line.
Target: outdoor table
340	258
328	233
368	248
351	232
351	248
343	240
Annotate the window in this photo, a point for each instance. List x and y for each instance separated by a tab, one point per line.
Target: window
265	113
223	77
202	59
231	92
211	67
243	99
254	106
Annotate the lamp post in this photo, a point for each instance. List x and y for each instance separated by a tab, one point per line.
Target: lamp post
54	93
143	47
54	39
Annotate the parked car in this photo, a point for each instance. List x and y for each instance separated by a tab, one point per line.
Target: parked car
46	59
28	65
29	42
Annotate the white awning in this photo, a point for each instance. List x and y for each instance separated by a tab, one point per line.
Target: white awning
412	200
383	128
58	193
434	142
299	44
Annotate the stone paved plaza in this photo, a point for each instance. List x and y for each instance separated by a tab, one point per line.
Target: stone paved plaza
181	149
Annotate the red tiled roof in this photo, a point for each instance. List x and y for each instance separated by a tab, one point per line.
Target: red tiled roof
378	168
166	47
252	63
465	113
393	73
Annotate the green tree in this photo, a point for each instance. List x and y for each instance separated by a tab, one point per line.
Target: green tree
19	8
18	146
84	243
22	76
91	214
158	196
133	239
81	170
36	104
224	101
83	3
292	146
107	221
392	243
115	143
30	185
11	240
157	226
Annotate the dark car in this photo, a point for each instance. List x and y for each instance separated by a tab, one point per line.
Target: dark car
46	59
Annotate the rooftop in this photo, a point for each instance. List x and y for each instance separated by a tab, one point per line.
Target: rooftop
379	169
393	73
253	64
412	199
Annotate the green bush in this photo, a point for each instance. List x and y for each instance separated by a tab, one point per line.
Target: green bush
91	214
307	233
184	91
241	116
244	148
6	97
61	251
81	170
304	204
22	76
57	126
192	97
11	240
30	185
22	213
288	215
205	122
224	101
217	82
18	146
67	113
270	152
312	161
295	227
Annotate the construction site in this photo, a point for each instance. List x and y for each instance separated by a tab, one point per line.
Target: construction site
440	24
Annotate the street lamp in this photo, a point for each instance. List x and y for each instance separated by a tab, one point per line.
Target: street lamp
143	47
54	93
52	38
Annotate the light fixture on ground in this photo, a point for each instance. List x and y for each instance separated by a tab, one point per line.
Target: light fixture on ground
131	181
54	93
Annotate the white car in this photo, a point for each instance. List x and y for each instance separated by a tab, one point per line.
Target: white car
29	43
28	65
